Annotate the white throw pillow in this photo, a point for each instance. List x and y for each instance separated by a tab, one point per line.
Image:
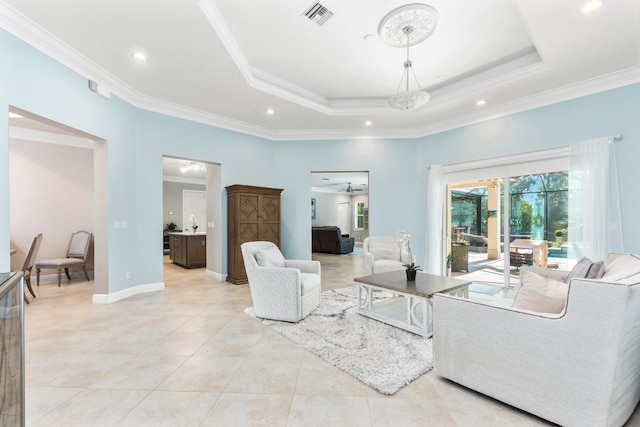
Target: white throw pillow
623	268
585	269
270	257
541	294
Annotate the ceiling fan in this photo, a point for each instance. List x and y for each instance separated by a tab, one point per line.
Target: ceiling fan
349	188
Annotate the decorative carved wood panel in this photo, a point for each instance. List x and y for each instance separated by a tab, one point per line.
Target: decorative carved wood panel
253	213
270	209
270	232
248	208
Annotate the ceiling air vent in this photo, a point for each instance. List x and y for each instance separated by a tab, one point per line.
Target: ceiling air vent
319	13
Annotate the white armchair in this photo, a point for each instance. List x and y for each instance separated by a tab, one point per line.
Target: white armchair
286	290
382	254
580	367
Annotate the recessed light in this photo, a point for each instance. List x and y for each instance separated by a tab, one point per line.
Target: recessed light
139	56
481	102
592	6
270	112
368	123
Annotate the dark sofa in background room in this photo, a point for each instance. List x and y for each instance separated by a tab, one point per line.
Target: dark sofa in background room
329	239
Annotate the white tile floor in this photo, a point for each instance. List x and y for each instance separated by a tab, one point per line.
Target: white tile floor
189	356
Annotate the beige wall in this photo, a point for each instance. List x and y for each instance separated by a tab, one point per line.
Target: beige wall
51	192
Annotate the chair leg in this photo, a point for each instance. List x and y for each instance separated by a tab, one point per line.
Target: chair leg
84	268
26	299
38	276
66	271
27	280
59	276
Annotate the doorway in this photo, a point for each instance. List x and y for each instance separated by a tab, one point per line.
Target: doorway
194	187
344	217
341	199
56	188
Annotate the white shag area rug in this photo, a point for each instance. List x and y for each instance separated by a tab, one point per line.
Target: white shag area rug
381	356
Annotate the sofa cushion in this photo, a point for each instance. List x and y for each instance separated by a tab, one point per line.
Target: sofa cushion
541	294
270	257
624	268
585	269
386	265
384	251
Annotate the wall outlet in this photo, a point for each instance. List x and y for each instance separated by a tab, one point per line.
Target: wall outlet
128	275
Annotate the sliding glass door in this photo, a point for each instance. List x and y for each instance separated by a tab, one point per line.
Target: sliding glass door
497	225
532	211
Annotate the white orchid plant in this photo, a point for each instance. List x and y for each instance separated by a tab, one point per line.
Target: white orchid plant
194	222
404	241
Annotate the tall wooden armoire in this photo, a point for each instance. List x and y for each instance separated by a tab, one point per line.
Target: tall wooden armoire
253	213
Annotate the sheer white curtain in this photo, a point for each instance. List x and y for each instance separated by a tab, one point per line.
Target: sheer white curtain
435	229
595	226
594	207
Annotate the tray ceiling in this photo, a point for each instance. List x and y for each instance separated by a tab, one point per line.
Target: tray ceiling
226	62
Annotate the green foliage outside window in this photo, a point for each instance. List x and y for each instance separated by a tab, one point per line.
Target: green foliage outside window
539	206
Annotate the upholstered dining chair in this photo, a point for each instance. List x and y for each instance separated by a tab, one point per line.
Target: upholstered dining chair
281	289
29	260
76	257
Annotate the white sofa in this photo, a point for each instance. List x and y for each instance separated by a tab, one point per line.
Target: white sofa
281	289
382	254
580	367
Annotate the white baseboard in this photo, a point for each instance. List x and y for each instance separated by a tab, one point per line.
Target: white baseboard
126	293
218	276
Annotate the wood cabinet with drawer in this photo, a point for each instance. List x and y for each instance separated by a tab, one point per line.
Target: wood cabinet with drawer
188	250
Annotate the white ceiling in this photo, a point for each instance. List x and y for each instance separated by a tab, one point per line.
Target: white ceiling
339	182
225	62
172	170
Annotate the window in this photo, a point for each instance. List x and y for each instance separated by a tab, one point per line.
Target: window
362	216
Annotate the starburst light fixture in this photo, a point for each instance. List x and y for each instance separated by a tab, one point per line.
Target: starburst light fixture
403	27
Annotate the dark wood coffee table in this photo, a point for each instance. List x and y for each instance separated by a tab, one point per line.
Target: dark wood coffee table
409	307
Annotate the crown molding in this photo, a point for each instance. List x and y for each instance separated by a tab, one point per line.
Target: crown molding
25	29
565	93
517	66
